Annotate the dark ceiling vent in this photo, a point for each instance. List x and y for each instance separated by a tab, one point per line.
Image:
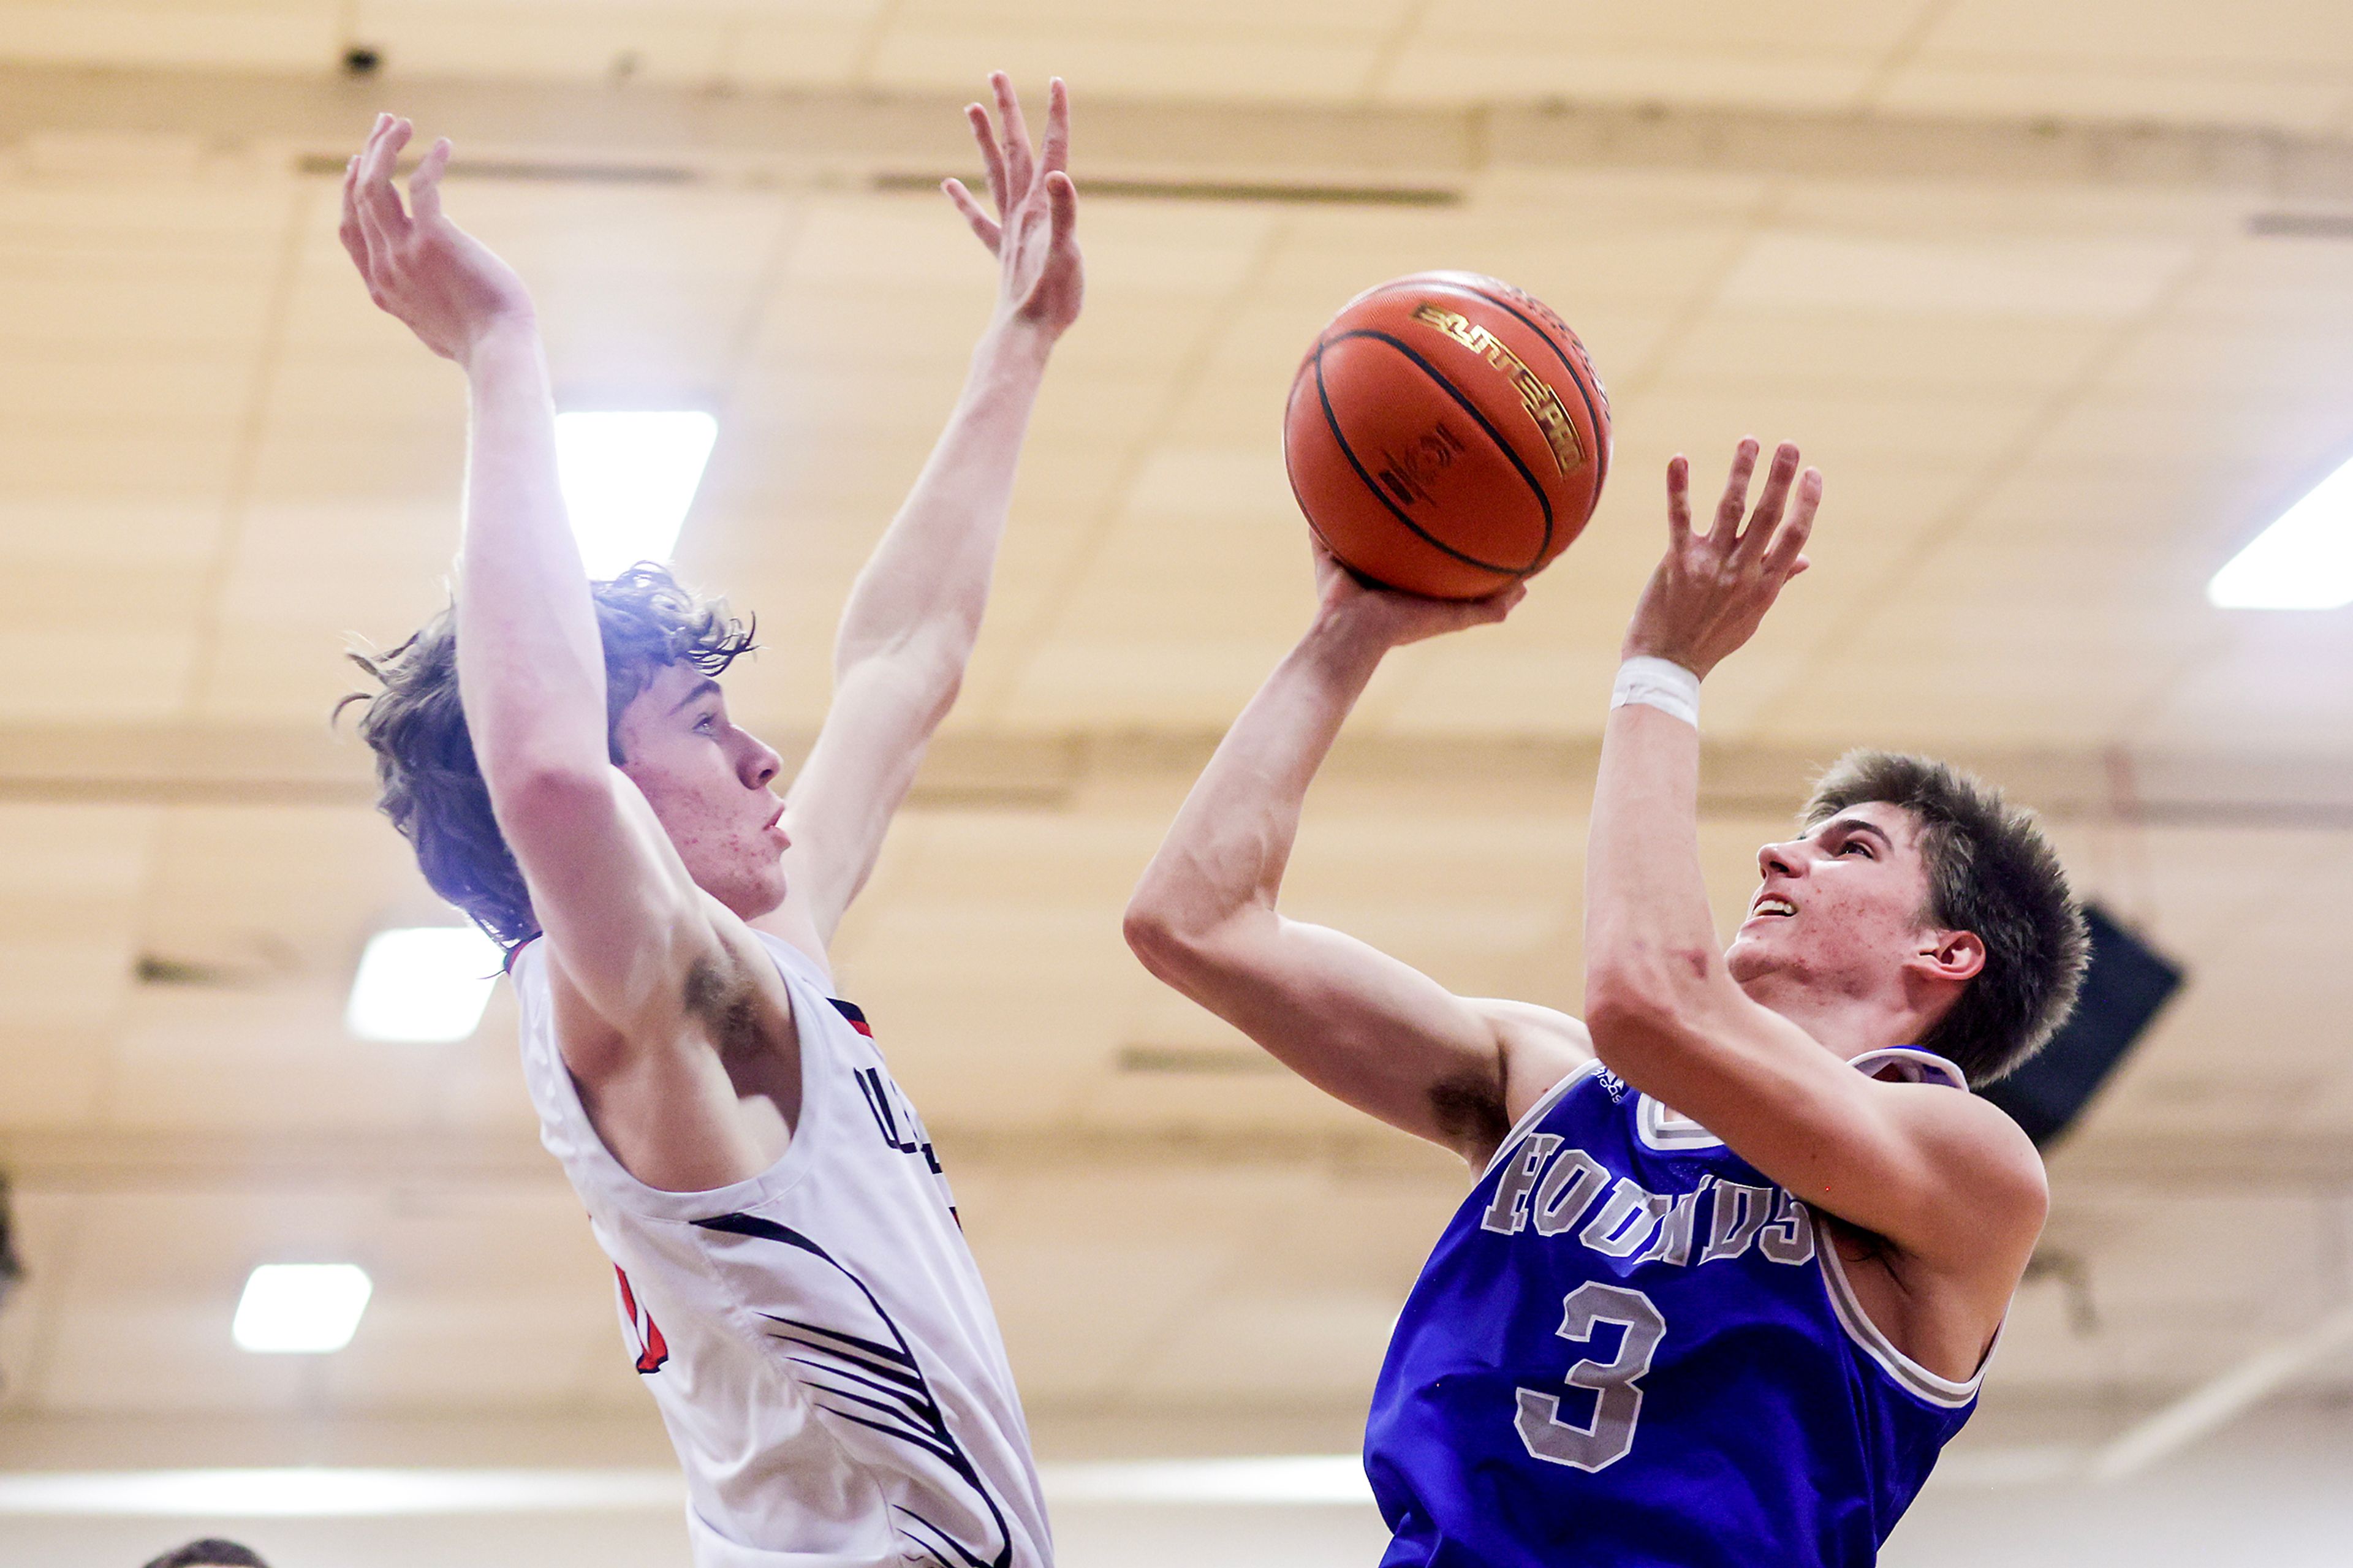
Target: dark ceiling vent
1196	1061
549	172
2301	226
1267	192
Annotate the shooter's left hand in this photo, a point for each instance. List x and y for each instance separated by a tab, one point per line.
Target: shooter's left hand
1709	594
1042	279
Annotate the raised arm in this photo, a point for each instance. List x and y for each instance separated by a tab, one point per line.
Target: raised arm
1356	1023
916	611
621	914
1946	1176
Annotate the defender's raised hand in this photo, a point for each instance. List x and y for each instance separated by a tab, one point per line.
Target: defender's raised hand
1034	236
442	283
1708	596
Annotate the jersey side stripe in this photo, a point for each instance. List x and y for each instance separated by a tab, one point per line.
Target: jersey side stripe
1908	1374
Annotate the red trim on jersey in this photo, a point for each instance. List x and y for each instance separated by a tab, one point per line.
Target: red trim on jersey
652	1349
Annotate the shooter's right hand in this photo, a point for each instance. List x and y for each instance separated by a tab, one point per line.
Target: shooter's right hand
442	283
1396	618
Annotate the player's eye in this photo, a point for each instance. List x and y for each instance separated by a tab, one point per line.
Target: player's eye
1855	844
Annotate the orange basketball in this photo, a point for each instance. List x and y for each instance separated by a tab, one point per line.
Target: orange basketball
1447	435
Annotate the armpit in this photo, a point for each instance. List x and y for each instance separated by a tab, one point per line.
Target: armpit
1469	1109
719	996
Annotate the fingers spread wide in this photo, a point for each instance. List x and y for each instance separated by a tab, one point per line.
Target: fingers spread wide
1735	499
991	159
982	224
1057	152
1018	171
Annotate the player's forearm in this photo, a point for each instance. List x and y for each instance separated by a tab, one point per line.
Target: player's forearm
1229	846
1650	939
530	665
922	592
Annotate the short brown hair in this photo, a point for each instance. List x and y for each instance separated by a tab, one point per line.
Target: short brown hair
431	787
1991	872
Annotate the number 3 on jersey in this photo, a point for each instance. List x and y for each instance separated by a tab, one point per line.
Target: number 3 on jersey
1616	1382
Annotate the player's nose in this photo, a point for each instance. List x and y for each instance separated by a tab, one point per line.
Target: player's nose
1780	859
760	763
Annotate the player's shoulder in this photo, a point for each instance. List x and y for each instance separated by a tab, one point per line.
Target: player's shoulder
1978	1153
1539	1046
1534	1023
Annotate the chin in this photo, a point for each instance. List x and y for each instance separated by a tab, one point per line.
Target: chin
1744	961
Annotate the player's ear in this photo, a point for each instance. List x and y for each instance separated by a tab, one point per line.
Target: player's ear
1950	954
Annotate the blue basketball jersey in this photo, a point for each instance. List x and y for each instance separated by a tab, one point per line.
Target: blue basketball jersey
1631	1348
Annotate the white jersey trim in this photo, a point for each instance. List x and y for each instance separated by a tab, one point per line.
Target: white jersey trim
1912	1066
1907	1374
626	1191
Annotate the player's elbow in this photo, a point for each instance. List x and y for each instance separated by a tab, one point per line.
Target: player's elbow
1627	1028
1160	940
1180	943
1636	1010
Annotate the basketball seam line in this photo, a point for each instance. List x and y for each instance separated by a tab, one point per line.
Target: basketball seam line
1331	421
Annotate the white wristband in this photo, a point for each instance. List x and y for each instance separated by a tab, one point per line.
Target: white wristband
1658	683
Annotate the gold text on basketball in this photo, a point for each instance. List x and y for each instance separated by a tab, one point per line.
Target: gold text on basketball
1543	403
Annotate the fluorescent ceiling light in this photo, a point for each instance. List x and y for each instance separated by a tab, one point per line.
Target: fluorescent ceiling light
627	481
301	1308
423	983
2302	562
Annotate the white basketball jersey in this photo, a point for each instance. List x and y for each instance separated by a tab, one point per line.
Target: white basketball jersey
817	1338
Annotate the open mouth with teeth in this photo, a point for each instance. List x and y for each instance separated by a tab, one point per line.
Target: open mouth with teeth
1777	907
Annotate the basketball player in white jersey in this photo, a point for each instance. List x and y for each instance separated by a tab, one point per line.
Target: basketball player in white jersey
794	1280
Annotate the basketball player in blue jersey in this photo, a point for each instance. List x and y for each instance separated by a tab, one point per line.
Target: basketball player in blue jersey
792	1282
1737	1250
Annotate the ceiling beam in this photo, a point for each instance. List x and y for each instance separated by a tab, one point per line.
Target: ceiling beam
2230	1394
233	765
860	139
103	1161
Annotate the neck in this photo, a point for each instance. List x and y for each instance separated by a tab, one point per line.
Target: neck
1846	1023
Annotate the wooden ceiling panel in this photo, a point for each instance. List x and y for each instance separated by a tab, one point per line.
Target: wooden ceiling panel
1163	56
2279	685
514	41
282	33
1831	350
2262	36
824	43
1826	26
278	1061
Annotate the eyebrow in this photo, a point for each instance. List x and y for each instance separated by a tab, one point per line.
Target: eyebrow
702	689
1856	824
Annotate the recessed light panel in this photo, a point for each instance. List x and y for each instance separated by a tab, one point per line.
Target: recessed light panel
301	1308
2302	562
627	481
423	984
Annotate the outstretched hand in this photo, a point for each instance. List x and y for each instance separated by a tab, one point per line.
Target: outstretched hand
1034	237
442	283
1401	618
1710	594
